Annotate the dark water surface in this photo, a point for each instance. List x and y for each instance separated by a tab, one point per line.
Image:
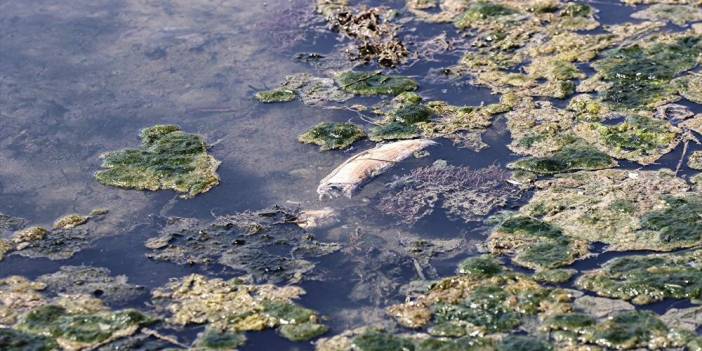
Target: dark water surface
79	78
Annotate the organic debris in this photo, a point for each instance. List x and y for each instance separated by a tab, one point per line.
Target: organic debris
372	30
352	173
647	279
268	244
331	136
690	87
577	156
695	160
169	159
276	95
461	192
92	281
229	308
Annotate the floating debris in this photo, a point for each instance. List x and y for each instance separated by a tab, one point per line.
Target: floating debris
647	279
169	159
229	308
695	160
268	244
352	173
92	281
461	192
331	136
317	219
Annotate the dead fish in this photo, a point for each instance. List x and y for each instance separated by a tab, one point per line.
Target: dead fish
348	176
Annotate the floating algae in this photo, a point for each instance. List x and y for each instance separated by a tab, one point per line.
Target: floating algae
91	281
169	159
639	76
374	83
406	113
311	90
535	244
690	87
67	237
648	279
695	160
268	244
331	136
638	138
73	322
463	193
572	157
627	210
678	14
234	307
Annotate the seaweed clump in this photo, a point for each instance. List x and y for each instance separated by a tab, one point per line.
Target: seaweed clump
374	83
677	14
268	245
647	279
229	308
464	193
311	90
168	159
403	120
331	136
276	95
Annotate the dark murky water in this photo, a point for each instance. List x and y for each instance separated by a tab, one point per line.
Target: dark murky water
82	77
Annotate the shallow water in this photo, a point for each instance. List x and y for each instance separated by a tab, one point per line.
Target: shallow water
79	78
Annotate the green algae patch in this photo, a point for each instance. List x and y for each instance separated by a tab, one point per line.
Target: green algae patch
403	120
647	279
480	12
539	129
554	276
70	221
168	159
573	157
638	138
235	306
14	340
677	14
374	83
628	210
480	302
535	244
639	76
268	245
461	192
219	340
690	87
67	322
75	331
331	136
310	89
276	95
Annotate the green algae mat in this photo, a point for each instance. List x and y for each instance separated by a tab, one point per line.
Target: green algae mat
351	175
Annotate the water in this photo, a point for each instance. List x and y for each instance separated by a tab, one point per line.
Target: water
79	78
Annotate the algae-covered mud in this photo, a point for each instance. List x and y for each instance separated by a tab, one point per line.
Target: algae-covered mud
351	175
